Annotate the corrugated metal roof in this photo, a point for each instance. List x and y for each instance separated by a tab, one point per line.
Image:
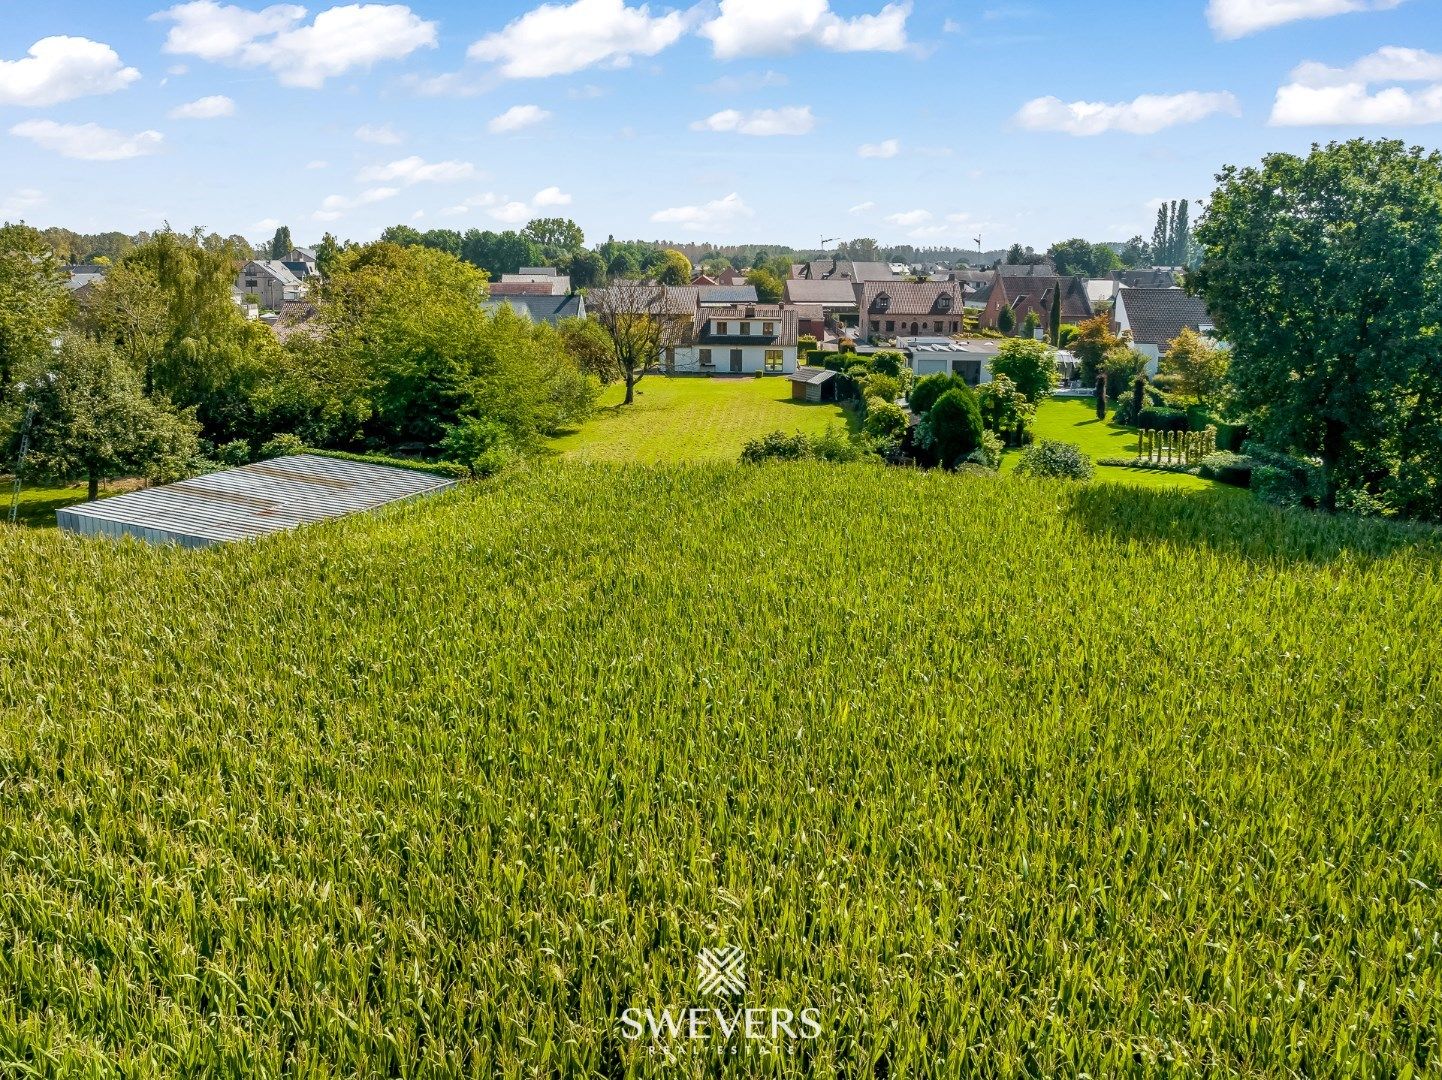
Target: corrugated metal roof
249	502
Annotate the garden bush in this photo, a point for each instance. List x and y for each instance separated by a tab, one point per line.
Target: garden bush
989	452
1228	468
235	453
955	425
929	388
776	446
884	419
1154	418
281	446
1056	459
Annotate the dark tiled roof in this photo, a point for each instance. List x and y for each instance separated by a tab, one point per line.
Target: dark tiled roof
547	308
521	288
908	298
1157	316
1014	270
836	292
872	271
727	294
1145	279
1039	291
788	325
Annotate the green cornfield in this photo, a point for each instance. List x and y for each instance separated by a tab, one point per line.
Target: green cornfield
1002	777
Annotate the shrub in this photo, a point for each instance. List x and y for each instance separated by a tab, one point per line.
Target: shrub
1156	418
1056	459
1125	414
885	387
806	344
281	446
856	371
1228	468
776	446
1288	480
836	445
819	358
989	452
1168	384
956	428
884	419
1067	332
451	470
482	446
889	363
929	388
235	453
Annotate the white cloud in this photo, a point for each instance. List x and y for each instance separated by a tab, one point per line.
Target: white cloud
551	196
1238	18
909	219
465	207
557	39
416	170
756	27
512	213
1146	115
88	142
861	208
317	164
380	135
1319	95
336	206
206	108
20	202
791	120
338	40
61	69
517	117
888	148
739	84
715	215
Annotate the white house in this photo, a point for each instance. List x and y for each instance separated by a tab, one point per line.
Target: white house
751	339
1155	317
969	359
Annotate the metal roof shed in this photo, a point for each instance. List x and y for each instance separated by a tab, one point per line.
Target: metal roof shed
249	502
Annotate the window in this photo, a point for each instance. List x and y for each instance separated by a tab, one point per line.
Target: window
252	283
706	360
746	329
890	324
774	361
768	329
721	328
875	326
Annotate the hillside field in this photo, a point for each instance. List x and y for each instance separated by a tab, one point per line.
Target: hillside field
1002	777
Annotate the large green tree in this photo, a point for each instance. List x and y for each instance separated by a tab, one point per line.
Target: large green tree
281	244
34	304
555	236
1324	274
90	419
1030	364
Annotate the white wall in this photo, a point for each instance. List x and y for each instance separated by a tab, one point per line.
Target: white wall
753	359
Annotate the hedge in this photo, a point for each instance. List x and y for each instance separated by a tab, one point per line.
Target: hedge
449	469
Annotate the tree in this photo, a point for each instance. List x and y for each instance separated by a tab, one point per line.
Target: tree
1091	344
1031	365
499	253
1136	252
956	426
325	254
411	320
1199	363
1004	409
768	286
1006	319
1331	356
91	421
1078	257
928	390
672	268
1172	237
280	243
638	318
587	269
590	347
555	236
1029	327
129	310
1054	330
34	304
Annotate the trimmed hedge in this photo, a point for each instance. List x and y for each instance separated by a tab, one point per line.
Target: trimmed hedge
1159	418
449	469
1228	468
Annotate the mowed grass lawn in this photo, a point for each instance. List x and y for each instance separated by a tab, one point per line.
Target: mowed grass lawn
693	419
1074	420
38	504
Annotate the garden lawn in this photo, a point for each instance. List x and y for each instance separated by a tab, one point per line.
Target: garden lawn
693	419
1074	420
38	504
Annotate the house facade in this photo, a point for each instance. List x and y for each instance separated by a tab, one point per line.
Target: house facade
1035	294
751	339
272	281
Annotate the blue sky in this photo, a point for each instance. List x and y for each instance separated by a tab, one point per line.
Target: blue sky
781	121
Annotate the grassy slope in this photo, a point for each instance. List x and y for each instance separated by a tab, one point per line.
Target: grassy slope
692	419
447	789
38	504
1074	420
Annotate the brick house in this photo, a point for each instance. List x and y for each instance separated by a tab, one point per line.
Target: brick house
908	308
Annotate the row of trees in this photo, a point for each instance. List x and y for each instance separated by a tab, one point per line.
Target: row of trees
160	371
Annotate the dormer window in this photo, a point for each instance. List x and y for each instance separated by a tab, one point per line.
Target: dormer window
943	303
882	302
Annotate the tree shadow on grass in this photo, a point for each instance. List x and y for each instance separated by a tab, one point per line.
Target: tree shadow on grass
1230	521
